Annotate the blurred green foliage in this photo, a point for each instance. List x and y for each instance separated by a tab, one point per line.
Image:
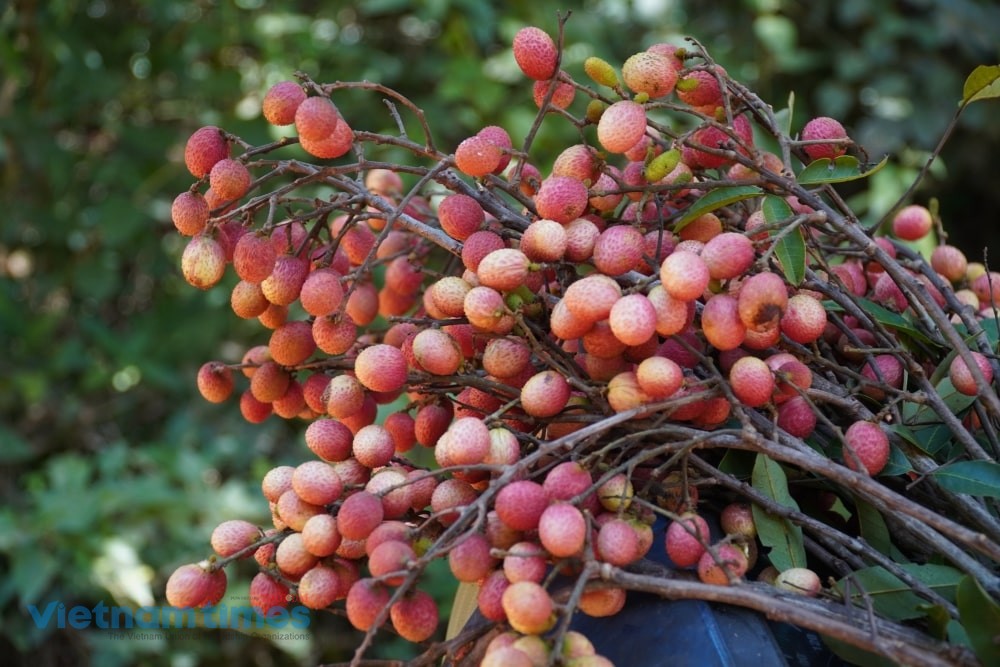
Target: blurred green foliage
114	470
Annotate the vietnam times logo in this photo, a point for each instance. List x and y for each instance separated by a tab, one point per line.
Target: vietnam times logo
105	617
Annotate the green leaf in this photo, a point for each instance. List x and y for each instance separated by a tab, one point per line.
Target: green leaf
977	478
715	200
856	656
980	615
782	536
982	84
883	316
894	599
790	248
775	209
874	530
840	170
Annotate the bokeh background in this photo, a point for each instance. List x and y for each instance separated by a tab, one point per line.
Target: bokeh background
112	470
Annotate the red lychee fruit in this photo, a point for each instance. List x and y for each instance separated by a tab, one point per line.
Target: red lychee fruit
866	444
545	394
189	213
561	198
824	128
528	607
535	53
685	540
912	223
477	156
618	250
684	275
621	126
203	262
415	616
281	101
728	562
520	504
649	72
204	148
752	381
316	118
562	530
962	378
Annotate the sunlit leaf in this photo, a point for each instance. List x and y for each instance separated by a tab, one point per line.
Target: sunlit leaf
977	478
840	170
982	84
715	200
782	537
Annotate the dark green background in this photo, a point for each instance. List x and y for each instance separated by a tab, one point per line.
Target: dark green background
114	470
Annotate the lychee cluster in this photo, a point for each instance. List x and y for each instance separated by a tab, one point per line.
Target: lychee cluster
527	370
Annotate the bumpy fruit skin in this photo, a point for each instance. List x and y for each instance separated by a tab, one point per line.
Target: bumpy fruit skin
535	53
545	394
621	126
823	127
962	378
528	607
562	97
229	179
319	587
415	616
683	547
477	156
267	595
203	149
203	262
650	73
215	381
189	213
520	504
684	275
562	530
732	563
281	101
231	536
752	381
728	255
189	586
561	198
316	118
381	367
870	447
912	223
460	216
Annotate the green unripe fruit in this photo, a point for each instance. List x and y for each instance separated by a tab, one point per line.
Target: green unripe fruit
600	71
661	165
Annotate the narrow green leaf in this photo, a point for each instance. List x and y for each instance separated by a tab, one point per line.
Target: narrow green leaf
840	170
977	478
874	530
980	615
885	317
791	246
715	200
894	599
982	84
784	538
